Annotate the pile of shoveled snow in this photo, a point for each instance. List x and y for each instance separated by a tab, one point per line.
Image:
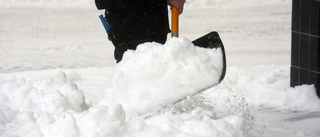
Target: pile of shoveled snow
57	94
155	75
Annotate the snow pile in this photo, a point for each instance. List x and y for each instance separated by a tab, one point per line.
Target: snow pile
54	107
27	105
155	75
101	121
264	90
272	91
53	95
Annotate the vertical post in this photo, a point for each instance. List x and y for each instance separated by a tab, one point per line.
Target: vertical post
305	51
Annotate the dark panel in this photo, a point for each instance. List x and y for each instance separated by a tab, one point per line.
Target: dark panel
317	85
295	15
304	51
315	78
304	77
314	54
315	17
305	16
294	76
305	54
295	49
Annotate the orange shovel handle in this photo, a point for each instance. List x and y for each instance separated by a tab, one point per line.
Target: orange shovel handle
174	22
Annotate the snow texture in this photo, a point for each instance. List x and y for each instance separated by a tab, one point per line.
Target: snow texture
58	77
156	75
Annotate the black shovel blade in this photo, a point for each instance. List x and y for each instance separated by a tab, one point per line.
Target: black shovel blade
212	40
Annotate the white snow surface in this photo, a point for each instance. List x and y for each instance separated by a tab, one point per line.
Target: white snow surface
176	67
58	77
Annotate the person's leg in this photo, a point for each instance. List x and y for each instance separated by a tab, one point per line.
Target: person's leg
141	21
158	21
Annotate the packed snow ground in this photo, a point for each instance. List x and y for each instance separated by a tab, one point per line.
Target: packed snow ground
58	76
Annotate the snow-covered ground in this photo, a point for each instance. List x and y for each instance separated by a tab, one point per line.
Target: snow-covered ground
58	76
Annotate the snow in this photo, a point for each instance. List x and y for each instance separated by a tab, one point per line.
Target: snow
175	66
58	76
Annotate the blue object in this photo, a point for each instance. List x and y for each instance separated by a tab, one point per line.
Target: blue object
104	22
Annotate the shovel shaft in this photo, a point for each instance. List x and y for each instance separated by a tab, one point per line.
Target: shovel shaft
174	22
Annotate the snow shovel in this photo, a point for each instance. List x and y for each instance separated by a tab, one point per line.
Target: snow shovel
210	40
